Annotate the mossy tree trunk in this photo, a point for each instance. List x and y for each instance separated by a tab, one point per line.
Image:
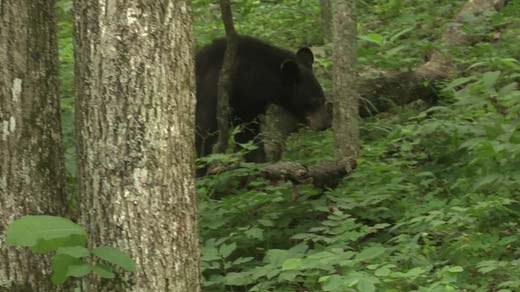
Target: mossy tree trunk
32	175
135	131
345	122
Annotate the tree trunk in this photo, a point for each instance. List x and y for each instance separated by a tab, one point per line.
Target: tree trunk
345	117
225	83
135	131
32	174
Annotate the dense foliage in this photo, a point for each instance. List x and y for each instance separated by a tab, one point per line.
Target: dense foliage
432	205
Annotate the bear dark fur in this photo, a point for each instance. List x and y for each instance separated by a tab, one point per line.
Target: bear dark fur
264	74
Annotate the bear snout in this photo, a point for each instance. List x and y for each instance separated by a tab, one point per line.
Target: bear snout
320	119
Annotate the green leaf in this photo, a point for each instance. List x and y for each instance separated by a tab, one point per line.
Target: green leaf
488	266
415	272
331	283
509	62
394	51
288	276
266	222
60	267
103	271
365	285
401	33
486	181
238	279
475	65
210	253
277	256
370	253
458	82
456	269
44	230
242	260
489	79
227	249
505	90
74	251
79	271
382	272
115	256
255	232
43	246
373	38
292	264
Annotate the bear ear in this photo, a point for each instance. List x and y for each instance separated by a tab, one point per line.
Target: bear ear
305	56
290	72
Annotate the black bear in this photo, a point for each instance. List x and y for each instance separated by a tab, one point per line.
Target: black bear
264	74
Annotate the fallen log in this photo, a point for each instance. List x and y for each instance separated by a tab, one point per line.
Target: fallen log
381	91
323	174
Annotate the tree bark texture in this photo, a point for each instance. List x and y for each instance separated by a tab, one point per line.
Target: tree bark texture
325	174
345	118
135	131
225	82
32	173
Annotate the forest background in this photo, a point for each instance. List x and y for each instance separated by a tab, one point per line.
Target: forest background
432	205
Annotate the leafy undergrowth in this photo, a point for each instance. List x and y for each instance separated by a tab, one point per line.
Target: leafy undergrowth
432	205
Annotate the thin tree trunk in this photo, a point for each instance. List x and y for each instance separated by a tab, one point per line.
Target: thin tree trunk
225	81
345	97
32	174
135	130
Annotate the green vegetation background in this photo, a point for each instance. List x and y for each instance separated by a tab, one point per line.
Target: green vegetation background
433	204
